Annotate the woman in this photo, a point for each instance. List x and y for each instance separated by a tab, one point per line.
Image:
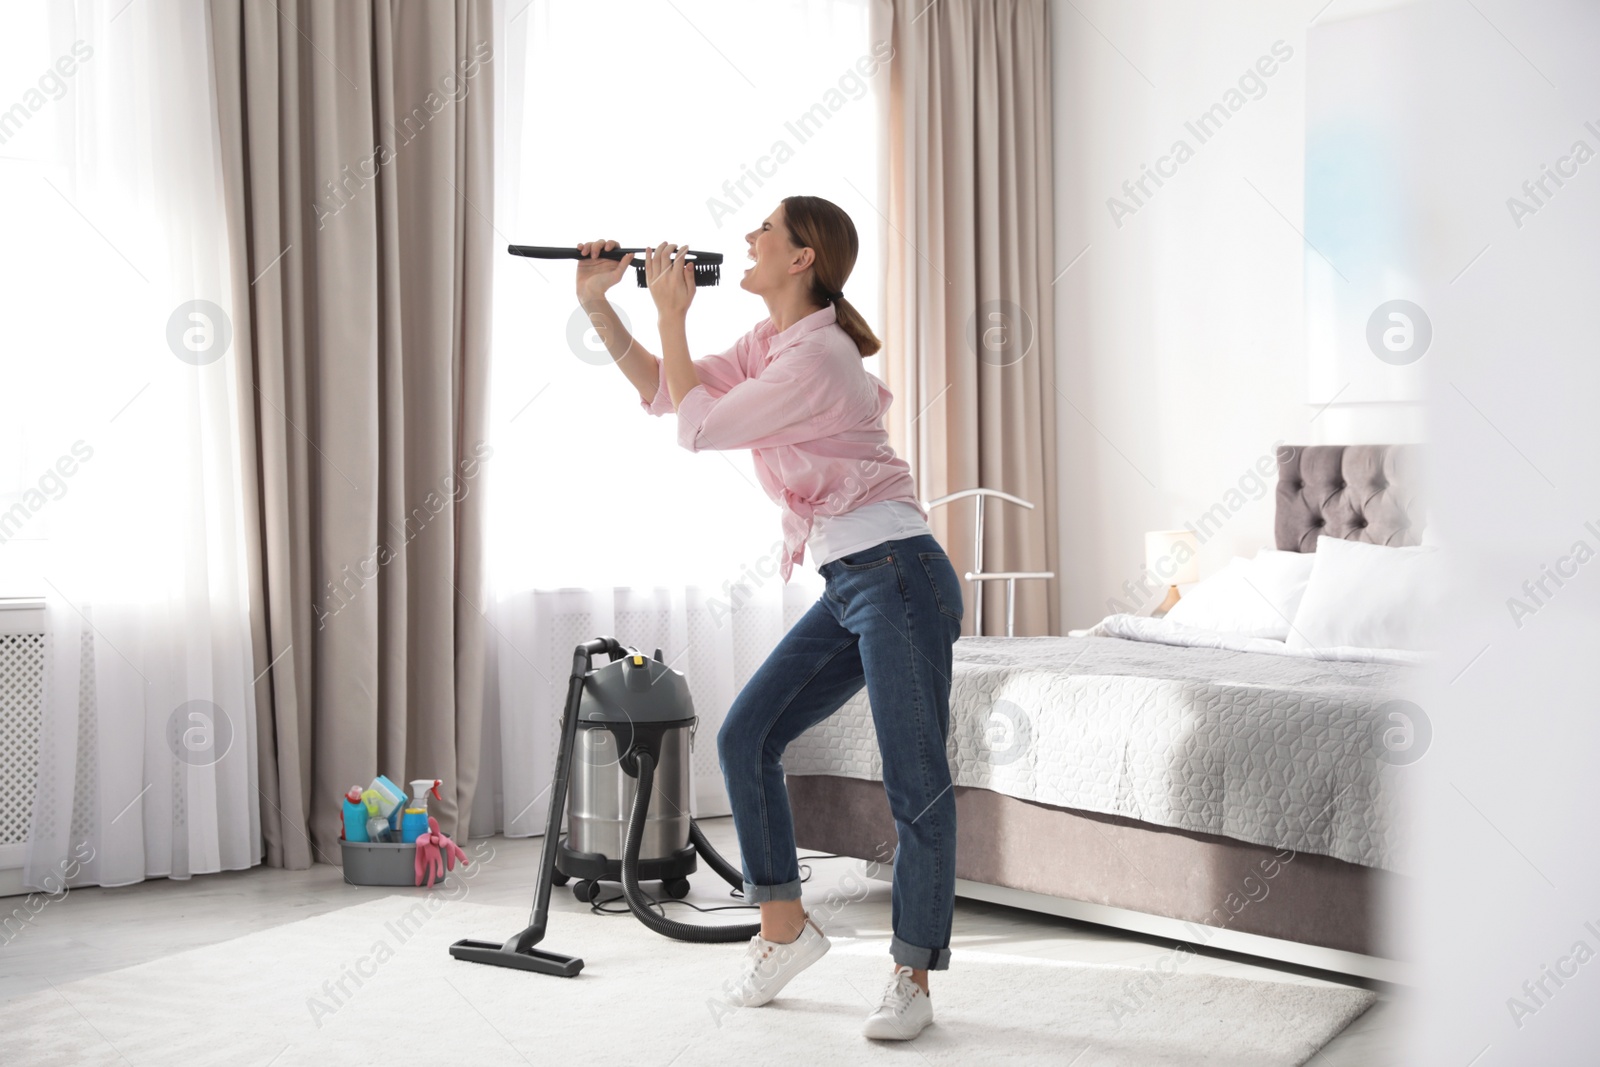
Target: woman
794	391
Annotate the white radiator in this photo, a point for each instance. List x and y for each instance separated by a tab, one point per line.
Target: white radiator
21	708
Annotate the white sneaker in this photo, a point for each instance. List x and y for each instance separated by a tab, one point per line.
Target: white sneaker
905	1010
769	965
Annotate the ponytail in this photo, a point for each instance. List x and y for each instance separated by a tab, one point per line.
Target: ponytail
826	229
852	323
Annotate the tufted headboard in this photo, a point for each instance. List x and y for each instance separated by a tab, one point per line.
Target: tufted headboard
1357	492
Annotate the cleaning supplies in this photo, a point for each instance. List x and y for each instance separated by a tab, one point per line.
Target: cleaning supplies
355	816
381	814
390	802
414	823
377	824
392	794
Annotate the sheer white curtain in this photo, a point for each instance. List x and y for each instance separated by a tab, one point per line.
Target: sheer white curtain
645	122
121	388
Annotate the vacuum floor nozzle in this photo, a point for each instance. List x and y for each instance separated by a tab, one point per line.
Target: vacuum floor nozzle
530	959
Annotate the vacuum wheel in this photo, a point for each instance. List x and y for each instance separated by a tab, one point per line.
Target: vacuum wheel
676	888
586	891
557	878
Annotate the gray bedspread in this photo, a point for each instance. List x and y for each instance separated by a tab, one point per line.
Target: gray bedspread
1274	750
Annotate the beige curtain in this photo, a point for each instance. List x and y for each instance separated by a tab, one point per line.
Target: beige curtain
969	346
358	170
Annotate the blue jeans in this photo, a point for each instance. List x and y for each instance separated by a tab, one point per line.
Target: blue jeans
888	618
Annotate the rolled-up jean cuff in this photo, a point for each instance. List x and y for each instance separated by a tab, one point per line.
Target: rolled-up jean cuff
755	894
922	959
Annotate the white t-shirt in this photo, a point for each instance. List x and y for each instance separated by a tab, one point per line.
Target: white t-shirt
833	536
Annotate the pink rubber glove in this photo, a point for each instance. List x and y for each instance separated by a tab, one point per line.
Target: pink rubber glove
428	859
436	853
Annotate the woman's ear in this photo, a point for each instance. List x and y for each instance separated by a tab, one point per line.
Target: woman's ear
803	259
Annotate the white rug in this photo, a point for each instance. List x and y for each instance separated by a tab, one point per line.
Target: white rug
274	998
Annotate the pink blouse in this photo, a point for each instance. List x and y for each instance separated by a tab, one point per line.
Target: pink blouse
810	413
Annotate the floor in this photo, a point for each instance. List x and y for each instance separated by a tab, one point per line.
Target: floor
93	930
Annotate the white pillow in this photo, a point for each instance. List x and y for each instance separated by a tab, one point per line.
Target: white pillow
1249	597
1369	596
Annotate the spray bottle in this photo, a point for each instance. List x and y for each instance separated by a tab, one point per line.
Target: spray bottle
414	823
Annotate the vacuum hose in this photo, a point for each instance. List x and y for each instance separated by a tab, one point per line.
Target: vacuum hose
639	904
730	874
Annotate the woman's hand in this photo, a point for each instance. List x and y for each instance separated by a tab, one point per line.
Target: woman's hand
596	275
670	275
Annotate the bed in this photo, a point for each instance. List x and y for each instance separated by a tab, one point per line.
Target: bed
1215	795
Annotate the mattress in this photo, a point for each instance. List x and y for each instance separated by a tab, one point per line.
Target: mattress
1272	750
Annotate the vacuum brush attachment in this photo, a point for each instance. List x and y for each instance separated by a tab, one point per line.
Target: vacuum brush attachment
707	265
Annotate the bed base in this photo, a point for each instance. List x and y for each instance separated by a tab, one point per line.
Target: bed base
1316	957
1204	890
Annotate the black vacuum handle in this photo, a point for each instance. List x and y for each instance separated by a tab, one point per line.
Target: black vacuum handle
558	252
581	657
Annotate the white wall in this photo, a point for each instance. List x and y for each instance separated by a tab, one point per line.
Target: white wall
1180	349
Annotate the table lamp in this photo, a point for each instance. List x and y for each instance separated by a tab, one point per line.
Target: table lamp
1173	556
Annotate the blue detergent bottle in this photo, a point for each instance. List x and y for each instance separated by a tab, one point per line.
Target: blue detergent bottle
355	816
414	823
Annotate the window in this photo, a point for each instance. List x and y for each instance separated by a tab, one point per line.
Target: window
647	122
118	453
34	84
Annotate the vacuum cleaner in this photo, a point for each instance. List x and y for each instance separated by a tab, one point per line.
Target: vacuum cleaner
626	736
